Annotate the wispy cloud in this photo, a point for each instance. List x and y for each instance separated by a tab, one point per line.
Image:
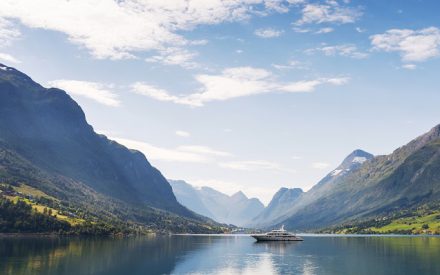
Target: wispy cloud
324	30
135	25
301	30
184	153
232	83
328	12
153	92
412	45
174	56
292	64
409	66
8	32
9	58
360	30
203	150
160	153
268	32
182	133
347	50
98	92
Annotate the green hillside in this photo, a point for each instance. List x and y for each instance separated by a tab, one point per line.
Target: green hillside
424	219
382	186
51	158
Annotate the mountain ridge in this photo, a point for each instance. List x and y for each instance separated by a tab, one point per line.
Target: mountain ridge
405	178
46	129
236	209
273	213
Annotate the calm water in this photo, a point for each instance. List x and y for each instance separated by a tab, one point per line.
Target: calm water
220	255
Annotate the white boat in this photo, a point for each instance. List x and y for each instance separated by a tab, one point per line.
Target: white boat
277	235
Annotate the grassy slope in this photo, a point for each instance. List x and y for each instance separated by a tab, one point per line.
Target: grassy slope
61	193
28	195
421	220
414	224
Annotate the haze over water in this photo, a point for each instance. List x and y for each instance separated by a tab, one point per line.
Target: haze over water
220	255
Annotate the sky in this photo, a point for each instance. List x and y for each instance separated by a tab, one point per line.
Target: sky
248	95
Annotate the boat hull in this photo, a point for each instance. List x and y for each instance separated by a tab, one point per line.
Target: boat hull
265	238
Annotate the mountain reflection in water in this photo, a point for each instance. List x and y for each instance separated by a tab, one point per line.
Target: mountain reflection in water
219	255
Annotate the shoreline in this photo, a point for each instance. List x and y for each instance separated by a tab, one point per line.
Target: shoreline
53	235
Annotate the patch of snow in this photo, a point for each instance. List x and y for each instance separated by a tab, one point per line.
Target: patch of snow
4	68
336	172
360	159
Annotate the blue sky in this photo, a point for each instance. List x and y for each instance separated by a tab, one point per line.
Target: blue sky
245	95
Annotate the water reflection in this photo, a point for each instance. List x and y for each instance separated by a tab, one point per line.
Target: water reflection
220	255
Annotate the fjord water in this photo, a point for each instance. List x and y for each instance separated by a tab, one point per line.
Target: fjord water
220	255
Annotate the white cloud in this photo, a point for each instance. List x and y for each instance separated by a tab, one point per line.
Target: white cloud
413	45
159	153
268	33
301	30
9	58
292	64
203	150
8	32
232	83
310	85
98	92
119	29
409	66
295	2
360	30
277	5
280	6
347	50
185	153
182	133
320	165
153	92
330	12
324	30
174	56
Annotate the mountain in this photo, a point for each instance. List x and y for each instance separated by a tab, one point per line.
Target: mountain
188	196
287	199
282	200
47	144
407	178
351	163
236	209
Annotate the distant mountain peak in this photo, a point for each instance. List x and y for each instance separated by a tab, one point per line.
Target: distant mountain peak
351	163
359	153
235	209
357	157
433	134
283	199
239	195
